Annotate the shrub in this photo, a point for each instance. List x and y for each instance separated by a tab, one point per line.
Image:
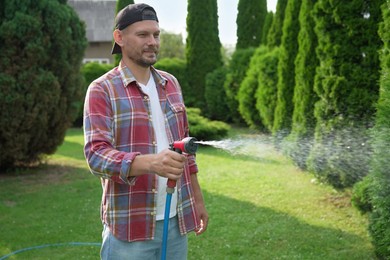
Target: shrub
361	195
247	92
236	73
42	45
216	96
203	129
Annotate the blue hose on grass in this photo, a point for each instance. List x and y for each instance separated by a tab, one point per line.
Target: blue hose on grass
166	225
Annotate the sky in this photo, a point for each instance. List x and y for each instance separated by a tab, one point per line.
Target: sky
172	17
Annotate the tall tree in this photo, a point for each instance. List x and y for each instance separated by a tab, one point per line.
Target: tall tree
250	22
274	36
347	85
379	225
203	48
42	46
120	4
286	69
303	120
266	28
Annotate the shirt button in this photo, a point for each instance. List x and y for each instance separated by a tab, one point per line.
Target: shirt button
153	213
154	190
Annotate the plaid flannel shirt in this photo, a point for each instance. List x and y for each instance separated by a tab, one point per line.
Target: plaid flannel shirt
117	128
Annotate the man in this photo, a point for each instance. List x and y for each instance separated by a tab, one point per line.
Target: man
131	115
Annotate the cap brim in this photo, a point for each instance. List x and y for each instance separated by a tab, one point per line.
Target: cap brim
116	49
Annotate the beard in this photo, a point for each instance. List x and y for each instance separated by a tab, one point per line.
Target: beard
146	59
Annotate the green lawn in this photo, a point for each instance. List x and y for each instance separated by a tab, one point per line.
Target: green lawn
260	207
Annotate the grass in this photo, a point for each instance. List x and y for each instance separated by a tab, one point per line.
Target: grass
260	207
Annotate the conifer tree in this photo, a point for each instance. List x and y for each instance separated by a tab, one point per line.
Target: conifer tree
203	49
347	85
286	69
266	28
42	46
274	36
267	82
379	225
250	22
299	142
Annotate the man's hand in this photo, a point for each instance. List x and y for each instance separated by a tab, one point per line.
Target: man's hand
168	164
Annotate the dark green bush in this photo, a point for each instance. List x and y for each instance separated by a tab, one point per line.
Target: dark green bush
246	96
216	96
235	75
42	45
203	129
380	174
266	91
361	195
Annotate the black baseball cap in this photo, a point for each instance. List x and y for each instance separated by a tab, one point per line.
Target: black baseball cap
131	14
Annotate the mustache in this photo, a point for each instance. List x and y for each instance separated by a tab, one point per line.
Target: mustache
151	49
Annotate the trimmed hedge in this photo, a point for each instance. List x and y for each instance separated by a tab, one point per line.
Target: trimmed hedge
204	129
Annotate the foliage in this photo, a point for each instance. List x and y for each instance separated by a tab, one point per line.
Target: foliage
303	120
380	173
274	36
247	92
90	72
361	198
120	4
250	22
171	46
203	48
236	73
216	95
203	129
347	85
286	69
42	45
266	93
266	27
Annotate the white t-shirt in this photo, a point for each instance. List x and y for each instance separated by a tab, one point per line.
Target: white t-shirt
158	121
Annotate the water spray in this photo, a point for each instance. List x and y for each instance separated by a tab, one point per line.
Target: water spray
188	145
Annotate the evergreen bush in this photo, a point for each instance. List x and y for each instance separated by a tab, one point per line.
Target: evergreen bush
379	225
298	144
204	129
247	91
42	45
267	90
203	48
216	95
237	68
347	85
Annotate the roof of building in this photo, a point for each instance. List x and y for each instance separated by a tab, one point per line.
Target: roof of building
98	15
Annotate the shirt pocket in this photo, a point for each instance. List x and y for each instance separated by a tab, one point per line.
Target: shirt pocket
177	120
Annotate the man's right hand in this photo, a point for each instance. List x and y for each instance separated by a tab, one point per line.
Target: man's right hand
167	164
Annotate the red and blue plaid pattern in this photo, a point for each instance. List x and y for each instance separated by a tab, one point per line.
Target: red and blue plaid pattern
117	128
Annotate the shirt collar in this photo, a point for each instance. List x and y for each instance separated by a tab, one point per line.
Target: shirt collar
128	77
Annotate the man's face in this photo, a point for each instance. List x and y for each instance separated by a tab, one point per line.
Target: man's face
141	42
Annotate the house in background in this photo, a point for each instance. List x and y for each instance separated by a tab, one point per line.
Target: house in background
99	16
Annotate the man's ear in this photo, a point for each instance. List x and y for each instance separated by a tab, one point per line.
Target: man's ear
117	37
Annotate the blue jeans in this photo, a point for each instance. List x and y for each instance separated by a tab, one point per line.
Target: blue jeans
114	249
